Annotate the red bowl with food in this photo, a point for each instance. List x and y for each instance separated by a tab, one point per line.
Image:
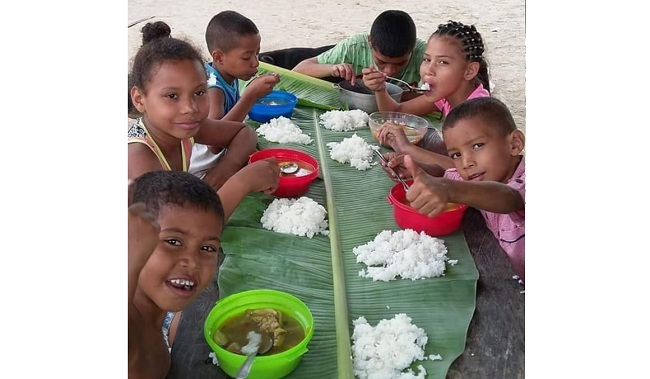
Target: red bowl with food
297	170
406	217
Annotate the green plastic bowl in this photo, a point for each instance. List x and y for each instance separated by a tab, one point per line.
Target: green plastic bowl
264	366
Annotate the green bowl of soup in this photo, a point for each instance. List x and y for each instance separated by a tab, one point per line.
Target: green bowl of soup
283	316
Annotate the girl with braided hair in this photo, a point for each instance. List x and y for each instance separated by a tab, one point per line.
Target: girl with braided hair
453	67
454	70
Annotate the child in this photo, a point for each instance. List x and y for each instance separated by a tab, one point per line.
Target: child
175	225
234	42
485	145
170	90
391	47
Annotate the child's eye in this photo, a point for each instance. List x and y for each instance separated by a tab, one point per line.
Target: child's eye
477	145
200	93
426	60
173	242
209	248
172	96
454	155
442	62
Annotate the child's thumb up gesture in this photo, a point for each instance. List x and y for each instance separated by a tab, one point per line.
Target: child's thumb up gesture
428	195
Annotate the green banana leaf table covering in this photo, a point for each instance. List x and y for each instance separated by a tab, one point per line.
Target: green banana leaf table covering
323	273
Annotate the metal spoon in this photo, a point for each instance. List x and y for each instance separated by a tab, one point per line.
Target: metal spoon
265	345
406	186
405	84
289	168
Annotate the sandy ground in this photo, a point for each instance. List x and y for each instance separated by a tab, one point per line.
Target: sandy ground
318	22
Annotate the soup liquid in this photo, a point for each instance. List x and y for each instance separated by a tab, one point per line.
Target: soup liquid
236	329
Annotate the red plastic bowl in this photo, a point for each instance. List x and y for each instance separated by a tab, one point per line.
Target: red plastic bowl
290	186
408	218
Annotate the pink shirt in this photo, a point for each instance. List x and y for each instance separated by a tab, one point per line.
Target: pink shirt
507	228
445	107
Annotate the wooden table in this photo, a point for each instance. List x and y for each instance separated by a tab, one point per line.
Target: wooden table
495	339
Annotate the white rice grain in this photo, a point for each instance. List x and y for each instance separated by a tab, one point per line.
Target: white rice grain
354	150
300	217
344	121
384	351
282	130
406	254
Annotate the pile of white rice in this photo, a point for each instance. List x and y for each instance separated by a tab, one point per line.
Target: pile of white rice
300	217
344	121
384	351
354	150
405	253
282	130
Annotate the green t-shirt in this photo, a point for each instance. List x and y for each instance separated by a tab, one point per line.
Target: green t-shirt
356	51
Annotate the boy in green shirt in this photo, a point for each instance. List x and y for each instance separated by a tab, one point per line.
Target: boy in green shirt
392	47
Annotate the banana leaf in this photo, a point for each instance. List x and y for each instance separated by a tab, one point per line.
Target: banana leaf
323	271
311	92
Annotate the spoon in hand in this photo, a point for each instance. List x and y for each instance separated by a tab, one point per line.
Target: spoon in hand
266	343
406	186
405	84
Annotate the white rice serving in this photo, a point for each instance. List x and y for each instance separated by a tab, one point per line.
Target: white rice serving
282	130
344	121
354	150
406	254
384	351
300	217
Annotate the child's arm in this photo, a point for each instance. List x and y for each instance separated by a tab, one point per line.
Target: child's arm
239	140
396	163
430	195
143	239
311	67
396	138
375	80
141	160
259	176
257	88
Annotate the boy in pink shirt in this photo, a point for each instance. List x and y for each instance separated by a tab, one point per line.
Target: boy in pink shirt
489	174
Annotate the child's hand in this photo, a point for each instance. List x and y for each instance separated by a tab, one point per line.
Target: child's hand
373	79
262	175
393	136
427	194
262	85
395	162
344	71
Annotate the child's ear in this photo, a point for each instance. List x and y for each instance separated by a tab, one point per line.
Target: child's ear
217	56
137	98
472	70
517	141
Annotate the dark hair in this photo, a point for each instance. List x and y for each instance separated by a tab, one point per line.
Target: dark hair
491	110
157	189
471	44
151	31
155	53
224	29
393	33
155	30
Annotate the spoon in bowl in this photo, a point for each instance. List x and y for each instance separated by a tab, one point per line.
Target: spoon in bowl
408	86
266	343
